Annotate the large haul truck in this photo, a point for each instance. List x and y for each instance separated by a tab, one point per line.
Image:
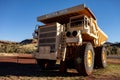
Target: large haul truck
72	38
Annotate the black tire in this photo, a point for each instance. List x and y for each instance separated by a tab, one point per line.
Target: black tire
41	64
63	67
50	64
84	59
100	57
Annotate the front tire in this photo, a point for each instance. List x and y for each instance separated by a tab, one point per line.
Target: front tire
46	64
41	64
84	59
63	67
50	64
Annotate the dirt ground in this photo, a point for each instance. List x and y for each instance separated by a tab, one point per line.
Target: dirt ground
24	67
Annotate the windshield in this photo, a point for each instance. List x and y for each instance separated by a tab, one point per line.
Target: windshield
77	22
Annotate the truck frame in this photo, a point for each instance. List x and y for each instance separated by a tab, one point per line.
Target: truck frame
71	38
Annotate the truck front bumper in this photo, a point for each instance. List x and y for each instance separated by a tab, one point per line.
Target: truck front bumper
50	56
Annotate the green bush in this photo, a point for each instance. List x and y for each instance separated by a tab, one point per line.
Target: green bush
113	50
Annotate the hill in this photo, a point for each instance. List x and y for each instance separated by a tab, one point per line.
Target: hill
28	41
25	46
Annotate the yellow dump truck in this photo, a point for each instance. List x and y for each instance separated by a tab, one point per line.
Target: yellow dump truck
72	38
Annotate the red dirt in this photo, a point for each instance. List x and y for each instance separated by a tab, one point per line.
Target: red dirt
21	58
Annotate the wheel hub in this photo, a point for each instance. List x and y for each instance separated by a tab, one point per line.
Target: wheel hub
104	57
89	58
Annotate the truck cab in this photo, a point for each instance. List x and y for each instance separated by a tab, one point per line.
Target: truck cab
81	29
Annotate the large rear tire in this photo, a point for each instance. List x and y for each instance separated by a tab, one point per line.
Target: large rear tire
84	59
100	57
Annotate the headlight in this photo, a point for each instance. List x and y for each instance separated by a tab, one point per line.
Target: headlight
74	33
68	34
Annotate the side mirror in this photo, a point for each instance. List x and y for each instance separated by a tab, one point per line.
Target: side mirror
35	33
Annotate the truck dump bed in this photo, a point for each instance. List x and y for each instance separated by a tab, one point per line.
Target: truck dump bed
63	17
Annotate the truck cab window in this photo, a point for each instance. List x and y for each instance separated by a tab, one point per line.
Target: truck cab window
77	22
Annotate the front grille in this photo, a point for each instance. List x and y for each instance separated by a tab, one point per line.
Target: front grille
46	29
47	37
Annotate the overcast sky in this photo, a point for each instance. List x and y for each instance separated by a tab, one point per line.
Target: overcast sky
18	17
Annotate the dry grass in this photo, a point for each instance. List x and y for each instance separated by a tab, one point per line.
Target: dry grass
111	71
29	46
8	54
